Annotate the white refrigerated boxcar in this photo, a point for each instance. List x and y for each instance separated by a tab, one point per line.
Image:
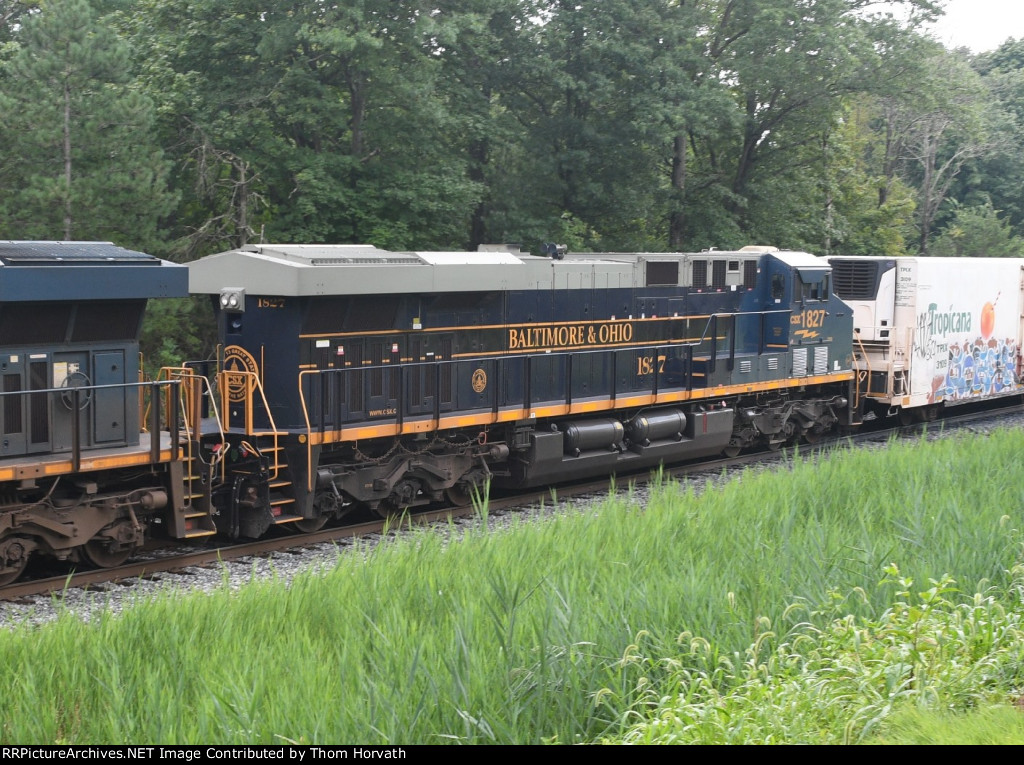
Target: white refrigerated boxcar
933	332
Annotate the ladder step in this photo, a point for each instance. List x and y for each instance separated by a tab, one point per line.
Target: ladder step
278	520
199	525
200	533
281	501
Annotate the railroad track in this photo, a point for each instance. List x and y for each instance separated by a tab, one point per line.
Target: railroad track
156	560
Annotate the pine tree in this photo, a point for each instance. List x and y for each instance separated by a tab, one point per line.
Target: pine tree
79	159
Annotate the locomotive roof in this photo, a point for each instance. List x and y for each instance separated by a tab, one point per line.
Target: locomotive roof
295	270
793	258
52	270
803	261
355	269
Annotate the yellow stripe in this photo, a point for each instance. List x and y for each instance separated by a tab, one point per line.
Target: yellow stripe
86	464
546	410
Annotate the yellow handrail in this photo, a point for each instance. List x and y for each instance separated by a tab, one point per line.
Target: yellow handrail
239	386
867	362
190	396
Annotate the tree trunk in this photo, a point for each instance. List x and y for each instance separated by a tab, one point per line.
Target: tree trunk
478	152
677	217
67	162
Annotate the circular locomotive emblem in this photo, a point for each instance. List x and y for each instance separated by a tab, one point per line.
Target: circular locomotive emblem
238	361
479	380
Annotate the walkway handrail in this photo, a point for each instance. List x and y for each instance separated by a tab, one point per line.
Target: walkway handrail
239	386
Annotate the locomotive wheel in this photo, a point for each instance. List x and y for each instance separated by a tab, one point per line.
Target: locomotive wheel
732	451
104	551
389	511
327	506
97	553
13	571
402	497
309	525
460	495
15	557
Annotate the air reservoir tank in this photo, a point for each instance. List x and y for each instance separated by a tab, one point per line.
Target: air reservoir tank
589	435
656	426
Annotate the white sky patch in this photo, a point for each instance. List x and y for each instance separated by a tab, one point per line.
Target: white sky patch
981	25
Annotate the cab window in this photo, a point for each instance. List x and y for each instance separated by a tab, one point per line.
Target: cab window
814	290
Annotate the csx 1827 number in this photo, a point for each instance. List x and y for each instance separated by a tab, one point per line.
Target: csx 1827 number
809	319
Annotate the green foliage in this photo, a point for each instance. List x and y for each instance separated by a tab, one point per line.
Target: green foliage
946	128
176	331
310	123
81	162
841	682
621	125
978	232
11	13
996	177
751	612
996	725
868	214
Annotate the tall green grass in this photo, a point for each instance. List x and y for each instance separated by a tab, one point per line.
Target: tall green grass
592	626
928	658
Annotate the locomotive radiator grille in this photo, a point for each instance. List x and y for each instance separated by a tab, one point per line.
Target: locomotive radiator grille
821	360
799	362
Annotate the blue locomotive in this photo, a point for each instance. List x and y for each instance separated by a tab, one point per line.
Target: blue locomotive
93	461
352	376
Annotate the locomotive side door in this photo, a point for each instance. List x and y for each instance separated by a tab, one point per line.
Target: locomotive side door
420	378
381	377
777	306
38	409
101	413
70	371
25	410
14	410
110	414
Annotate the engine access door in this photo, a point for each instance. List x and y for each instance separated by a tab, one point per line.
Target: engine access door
110	412
24	417
100	411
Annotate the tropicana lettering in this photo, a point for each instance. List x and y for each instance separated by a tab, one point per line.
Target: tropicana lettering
936	323
569	335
